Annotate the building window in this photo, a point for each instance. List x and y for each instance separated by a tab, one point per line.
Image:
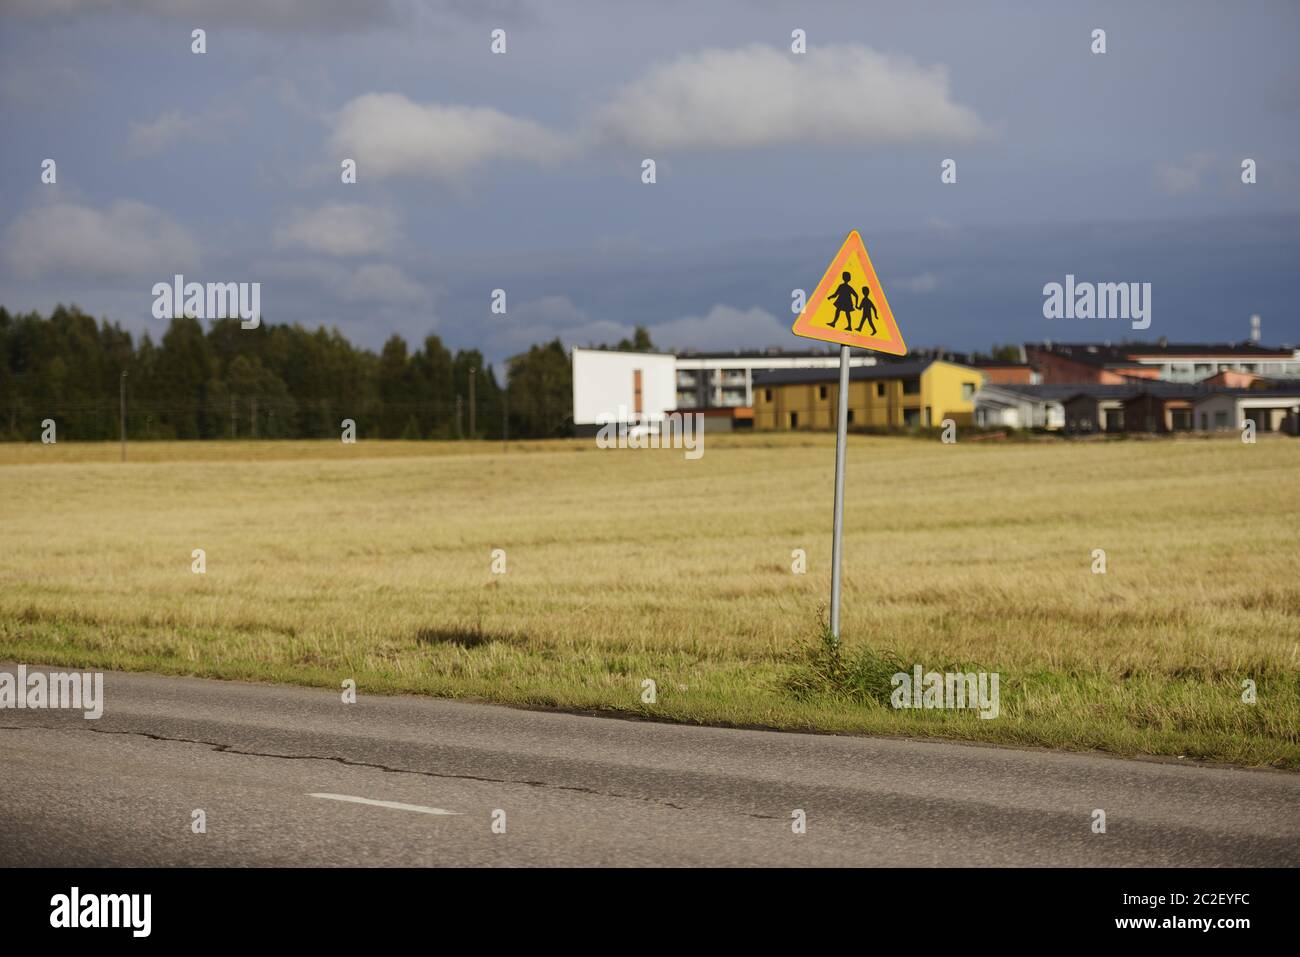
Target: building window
880	390
911	386
928	421
767	395
967	391
1220	420
911	418
850	416
794	420
821	392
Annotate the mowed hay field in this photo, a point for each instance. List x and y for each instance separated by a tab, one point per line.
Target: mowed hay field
374	562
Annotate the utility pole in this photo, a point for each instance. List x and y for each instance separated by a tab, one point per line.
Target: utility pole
123	414
459	435
471	402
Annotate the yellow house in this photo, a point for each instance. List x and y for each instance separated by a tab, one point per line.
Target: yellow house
913	394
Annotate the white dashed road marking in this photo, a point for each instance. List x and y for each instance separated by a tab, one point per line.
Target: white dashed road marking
395	805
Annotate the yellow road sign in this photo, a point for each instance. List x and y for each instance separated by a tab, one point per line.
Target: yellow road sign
849	307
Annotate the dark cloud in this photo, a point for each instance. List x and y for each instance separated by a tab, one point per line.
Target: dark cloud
1122	167
309	16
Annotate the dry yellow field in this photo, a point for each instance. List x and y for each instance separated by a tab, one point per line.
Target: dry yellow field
374	562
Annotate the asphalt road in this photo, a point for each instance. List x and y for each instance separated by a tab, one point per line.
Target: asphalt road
579	790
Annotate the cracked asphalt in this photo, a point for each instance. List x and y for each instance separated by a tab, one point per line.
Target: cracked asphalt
579	790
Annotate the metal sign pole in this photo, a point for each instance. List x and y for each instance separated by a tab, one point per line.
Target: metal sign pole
122	410
841	439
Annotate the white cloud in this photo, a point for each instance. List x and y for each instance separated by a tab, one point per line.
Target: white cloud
753	97
725	327
923	282
370	283
37	81
554	312
390	135
172	126
595	332
157	135
1185	177
546	318
127	239
758	96
339	229
941	227
381	282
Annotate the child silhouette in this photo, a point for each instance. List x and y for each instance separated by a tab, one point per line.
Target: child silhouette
846	301
868	310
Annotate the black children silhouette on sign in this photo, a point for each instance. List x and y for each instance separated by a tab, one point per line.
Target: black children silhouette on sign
868	310
846	301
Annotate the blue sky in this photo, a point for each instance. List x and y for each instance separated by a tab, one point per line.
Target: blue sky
521	171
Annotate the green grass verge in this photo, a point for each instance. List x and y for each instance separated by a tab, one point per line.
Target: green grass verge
1196	715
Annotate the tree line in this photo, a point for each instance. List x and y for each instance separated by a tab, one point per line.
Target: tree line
275	381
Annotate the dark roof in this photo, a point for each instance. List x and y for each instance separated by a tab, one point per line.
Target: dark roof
1042	393
1176	349
1090	352
1122	353
761	354
1171	390
1157	387
887	370
1277	392
1103	392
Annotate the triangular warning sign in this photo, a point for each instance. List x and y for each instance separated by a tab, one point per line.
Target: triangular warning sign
837	311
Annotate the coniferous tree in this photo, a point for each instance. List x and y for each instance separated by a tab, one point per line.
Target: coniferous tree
272	381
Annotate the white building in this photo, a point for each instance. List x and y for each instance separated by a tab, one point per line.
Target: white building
1021	406
1272	410
726	379
1197	363
611	386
